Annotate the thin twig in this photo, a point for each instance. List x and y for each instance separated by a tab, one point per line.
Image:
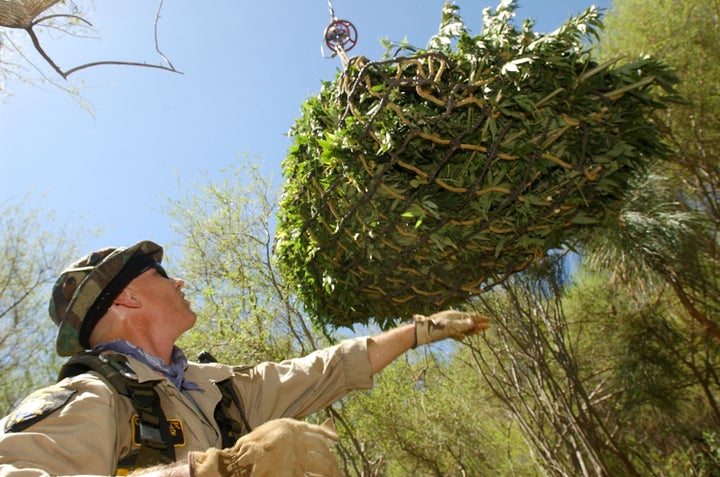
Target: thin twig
57	15
157	43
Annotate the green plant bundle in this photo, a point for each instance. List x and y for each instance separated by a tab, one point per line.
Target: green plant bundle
421	180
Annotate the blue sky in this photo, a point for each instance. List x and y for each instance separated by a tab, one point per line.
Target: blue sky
247	67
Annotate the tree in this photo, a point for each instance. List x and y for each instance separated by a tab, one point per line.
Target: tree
684	35
602	380
660	228
534	367
244	309
665	237
660	240
428	416
34	248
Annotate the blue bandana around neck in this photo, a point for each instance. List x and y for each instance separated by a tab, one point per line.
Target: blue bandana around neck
175	372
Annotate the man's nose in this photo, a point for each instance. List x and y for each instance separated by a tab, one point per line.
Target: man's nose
179	283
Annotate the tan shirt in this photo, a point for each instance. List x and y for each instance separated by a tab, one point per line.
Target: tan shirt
91	432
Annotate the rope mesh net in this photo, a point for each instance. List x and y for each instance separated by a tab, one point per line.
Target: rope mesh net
418	182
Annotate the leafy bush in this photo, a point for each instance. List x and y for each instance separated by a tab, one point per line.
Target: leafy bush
423	179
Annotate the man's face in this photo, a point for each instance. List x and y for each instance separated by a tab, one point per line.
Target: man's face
163	302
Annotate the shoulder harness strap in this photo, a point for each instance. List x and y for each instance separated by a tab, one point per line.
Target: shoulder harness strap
155	441
230	429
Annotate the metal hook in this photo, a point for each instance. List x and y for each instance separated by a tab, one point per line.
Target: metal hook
339	35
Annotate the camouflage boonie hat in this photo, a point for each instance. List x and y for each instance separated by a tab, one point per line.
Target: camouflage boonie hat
85	290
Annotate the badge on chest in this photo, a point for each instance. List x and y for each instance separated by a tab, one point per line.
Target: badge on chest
175	430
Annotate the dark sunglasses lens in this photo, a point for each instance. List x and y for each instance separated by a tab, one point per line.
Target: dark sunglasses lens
160	270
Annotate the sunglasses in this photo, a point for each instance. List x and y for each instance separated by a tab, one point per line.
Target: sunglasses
159	268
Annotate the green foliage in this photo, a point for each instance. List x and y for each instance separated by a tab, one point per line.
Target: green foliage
684	35
604	377
702	459
599	375
34	249
435	419
668	230
648	368
420	180
660	229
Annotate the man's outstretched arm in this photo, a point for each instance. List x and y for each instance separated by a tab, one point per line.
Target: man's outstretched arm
387	346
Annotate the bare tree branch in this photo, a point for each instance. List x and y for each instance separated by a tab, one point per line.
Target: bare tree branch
39	48
29	28
124	63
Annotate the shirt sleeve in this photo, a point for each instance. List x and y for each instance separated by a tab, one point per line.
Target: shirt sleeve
301	386
75	437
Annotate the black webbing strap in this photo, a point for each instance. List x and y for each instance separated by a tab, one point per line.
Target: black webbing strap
230	429
154	431
155	443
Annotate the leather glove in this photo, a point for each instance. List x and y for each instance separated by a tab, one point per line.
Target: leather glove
279	448
447	324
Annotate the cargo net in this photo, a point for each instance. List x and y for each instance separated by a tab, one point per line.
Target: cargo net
418	182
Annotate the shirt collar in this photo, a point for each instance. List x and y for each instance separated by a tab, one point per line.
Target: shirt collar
175	371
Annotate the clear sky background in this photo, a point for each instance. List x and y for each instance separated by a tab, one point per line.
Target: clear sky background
153	135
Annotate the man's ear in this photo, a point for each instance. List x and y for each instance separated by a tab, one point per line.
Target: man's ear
128	298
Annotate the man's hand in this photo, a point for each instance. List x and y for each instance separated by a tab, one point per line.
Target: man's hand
447	324
278	448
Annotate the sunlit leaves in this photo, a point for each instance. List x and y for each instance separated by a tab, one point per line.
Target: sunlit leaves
418	181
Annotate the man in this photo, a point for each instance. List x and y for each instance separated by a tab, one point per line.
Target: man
135	401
